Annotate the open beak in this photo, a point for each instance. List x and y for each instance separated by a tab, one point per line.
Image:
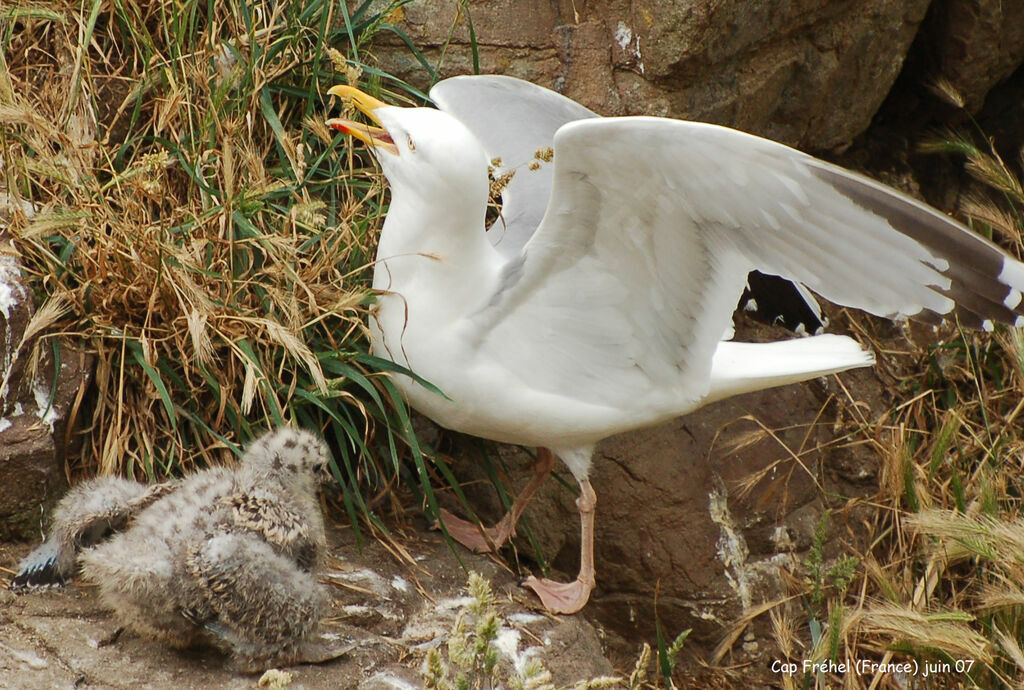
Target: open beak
374	137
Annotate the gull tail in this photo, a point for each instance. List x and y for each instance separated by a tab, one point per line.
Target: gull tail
744	367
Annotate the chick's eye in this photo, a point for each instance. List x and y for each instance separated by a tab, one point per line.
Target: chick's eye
408	140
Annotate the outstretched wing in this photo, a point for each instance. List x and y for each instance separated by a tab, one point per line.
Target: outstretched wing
89	513
512	119
653	225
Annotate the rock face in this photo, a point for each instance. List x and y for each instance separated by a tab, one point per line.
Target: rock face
808	74
671	510
976	44
33	412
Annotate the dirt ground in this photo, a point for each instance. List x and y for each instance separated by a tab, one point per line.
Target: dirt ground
392	609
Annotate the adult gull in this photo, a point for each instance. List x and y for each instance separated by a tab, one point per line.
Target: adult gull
601	301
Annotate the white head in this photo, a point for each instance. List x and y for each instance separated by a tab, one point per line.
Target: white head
422	151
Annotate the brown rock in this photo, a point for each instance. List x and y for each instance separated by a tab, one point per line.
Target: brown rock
977	44
806	73
34	418
30	480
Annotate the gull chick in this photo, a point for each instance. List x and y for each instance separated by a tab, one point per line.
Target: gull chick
227	559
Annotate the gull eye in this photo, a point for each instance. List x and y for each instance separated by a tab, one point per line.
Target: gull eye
408	140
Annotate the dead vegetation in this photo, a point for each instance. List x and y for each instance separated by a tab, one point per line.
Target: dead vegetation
202	232
936	578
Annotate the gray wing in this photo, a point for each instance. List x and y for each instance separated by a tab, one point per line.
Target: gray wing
88	513
513	119
625	289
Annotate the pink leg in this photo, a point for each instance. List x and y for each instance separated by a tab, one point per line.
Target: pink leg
485	539
562	597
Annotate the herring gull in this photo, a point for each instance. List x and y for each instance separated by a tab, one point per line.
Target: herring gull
602	300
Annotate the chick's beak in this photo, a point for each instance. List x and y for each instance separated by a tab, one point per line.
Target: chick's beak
374	137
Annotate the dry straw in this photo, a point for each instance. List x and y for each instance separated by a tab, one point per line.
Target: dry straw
193	228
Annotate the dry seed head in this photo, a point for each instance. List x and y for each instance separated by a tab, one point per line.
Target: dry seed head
643	662
963	536
319	129
989	169
946	631
784	632
1011	647
944	89
275	679
499	183
202	347
982	208
599	682
1005	595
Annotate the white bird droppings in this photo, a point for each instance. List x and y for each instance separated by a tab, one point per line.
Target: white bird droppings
732	548
11	290
623	36
44	407
389	681
630	44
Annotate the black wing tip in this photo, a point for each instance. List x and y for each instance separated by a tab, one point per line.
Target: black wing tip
37	576
982	301
986	283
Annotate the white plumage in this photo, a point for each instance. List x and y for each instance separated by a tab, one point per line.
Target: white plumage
600	303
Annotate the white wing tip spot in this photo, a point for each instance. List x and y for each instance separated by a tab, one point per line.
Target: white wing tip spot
987	325
1012	299
1012	273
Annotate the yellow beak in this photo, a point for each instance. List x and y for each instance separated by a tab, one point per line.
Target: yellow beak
374	137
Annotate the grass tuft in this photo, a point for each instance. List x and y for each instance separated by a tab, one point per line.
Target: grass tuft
939	580
184	214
